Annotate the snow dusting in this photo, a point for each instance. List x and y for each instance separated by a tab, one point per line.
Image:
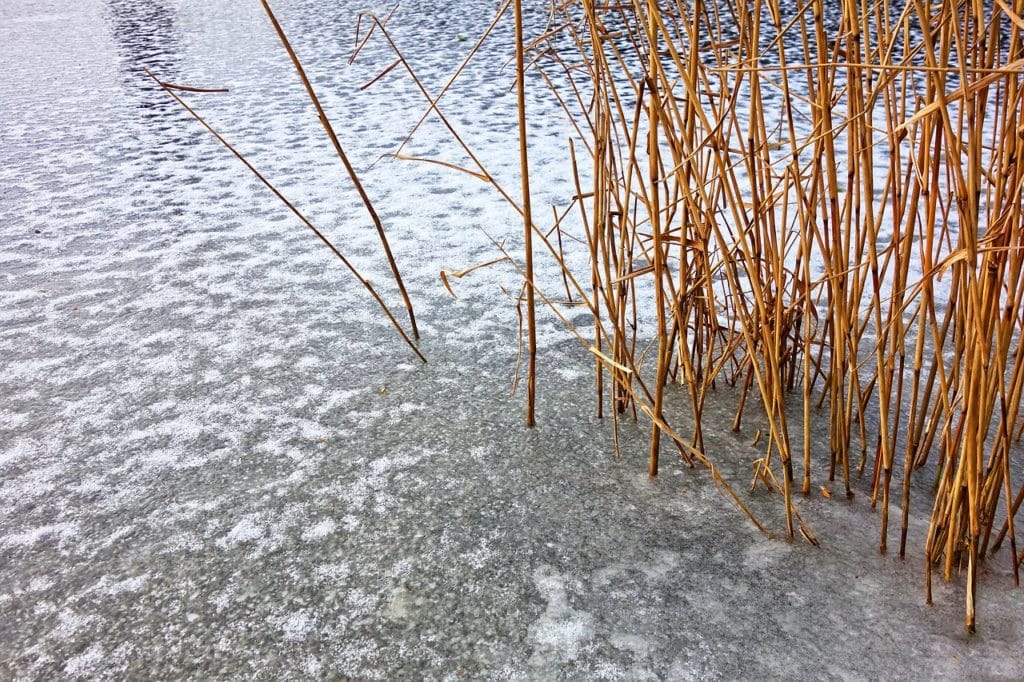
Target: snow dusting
218	461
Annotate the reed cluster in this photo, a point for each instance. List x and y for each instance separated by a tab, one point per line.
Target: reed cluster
816	200
821	203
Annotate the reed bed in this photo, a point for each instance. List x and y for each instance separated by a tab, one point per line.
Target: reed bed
815	199
821	204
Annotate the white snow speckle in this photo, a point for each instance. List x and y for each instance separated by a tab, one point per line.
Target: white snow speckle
82	664
297	626
561	631
31	536
319	531
245	530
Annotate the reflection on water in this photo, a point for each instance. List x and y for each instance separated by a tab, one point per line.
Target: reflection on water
144	33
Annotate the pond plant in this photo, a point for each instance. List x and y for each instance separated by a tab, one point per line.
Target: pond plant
819	204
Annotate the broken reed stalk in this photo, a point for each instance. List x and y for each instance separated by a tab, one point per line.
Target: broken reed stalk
792	190
329	129
170	90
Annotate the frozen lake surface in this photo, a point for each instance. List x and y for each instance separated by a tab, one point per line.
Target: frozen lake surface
217	460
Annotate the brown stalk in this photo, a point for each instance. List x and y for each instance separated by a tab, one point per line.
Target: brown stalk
336	143
291	207
524	170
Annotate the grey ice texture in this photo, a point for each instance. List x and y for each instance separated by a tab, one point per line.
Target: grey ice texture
218	461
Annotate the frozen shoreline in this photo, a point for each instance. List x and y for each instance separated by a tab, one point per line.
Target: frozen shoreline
217	460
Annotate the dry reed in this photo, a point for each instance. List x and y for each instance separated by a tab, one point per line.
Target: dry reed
793	190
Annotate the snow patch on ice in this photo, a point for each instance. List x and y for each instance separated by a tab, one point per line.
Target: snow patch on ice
39	584
764	553
561	631
319	531
246	530
27	538
297	626
84	663
133	584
